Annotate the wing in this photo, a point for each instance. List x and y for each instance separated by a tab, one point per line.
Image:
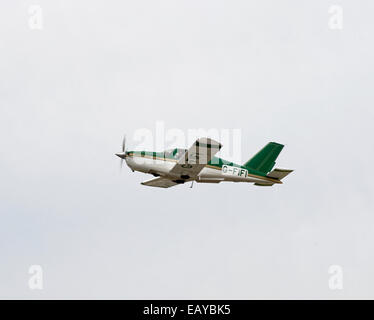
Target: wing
196	158
159	182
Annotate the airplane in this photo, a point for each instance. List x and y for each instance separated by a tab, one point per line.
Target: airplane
198	163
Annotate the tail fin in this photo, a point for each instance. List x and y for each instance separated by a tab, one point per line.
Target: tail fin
264	160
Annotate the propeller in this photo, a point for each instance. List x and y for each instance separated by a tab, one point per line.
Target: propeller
123	154
124	143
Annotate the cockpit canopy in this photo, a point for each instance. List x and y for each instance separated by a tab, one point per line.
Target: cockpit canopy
175	153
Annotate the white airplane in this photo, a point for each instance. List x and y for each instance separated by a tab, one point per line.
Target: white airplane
198	163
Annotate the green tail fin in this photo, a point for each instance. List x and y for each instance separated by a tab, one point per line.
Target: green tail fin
264	160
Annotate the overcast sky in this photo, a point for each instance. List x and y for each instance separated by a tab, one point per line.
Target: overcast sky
98	69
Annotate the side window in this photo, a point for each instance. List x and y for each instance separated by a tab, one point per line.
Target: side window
168	153
180	154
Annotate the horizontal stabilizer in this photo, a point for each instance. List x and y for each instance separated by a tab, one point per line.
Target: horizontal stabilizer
279	173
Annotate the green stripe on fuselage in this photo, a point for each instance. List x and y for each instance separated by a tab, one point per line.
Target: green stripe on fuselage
215	162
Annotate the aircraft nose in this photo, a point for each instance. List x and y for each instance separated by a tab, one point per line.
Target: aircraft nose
122	155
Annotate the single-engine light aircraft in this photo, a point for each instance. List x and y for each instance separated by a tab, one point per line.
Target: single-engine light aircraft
198	163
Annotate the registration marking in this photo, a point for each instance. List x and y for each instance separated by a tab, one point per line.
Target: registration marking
234	171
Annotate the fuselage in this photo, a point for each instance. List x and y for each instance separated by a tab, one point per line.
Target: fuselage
216	170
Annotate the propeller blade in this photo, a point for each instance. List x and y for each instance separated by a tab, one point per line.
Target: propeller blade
124	143
123	151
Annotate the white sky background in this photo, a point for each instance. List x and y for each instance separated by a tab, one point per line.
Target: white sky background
99	69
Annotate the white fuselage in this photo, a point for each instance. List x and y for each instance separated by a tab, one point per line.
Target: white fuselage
209	174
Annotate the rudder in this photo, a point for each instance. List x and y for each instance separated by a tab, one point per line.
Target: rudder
264	160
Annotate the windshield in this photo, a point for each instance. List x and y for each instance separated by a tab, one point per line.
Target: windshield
179	153
175	153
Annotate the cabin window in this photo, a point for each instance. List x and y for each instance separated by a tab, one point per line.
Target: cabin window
179	153
174	153
168	153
